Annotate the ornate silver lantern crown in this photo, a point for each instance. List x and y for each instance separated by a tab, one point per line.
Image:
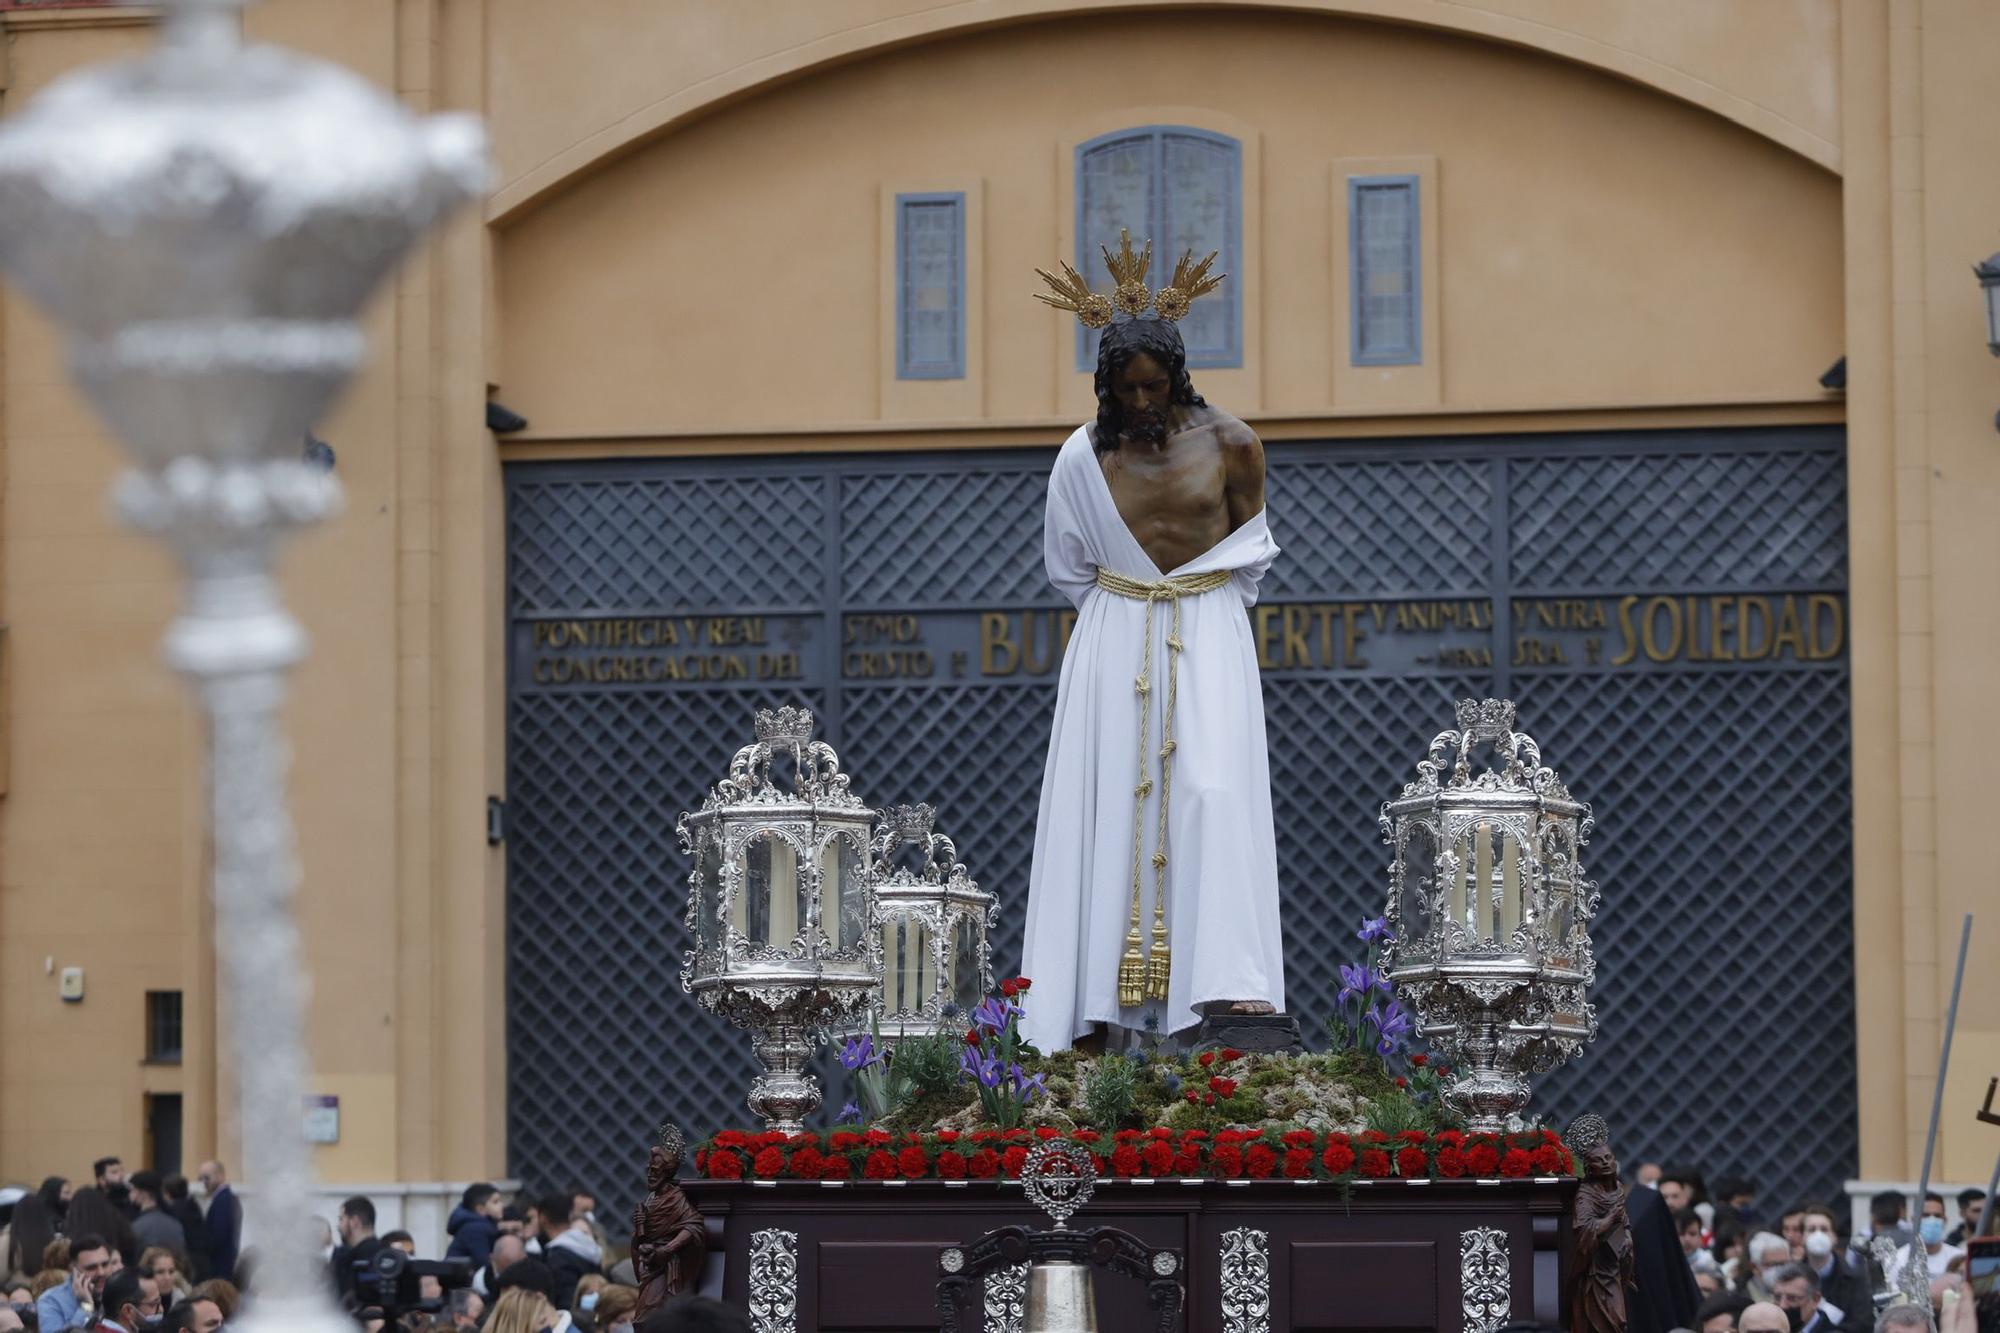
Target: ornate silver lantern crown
780	904
1490	910
934	922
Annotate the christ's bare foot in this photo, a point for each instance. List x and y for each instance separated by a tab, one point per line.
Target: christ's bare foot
1252	1007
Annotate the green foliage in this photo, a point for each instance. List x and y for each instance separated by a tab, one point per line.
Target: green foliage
929	1063
1397	1112
1111	1093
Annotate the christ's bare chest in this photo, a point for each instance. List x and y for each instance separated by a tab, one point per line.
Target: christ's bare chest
1173	499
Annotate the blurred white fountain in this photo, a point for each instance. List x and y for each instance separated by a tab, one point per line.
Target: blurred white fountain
206	223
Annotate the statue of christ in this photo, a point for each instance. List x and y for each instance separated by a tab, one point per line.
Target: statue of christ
1153	898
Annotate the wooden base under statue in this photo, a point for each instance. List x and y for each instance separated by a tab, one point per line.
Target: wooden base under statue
1444	1255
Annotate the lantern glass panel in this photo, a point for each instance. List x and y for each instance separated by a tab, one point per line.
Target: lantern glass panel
708	900
965	963
843	894
1419	880
907	969
773	904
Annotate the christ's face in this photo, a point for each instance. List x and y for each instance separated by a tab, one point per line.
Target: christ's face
1143	390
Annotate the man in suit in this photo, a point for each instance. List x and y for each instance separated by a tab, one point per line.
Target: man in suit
225	1221
1795	1288
1842	1282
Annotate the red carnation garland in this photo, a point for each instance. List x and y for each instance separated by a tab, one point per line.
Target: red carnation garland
1158	1152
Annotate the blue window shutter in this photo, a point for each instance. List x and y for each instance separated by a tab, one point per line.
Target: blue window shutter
1182	188
930	286
1385	271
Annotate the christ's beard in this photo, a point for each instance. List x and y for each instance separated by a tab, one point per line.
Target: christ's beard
1147	427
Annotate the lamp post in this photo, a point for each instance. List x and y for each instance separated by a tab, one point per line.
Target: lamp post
933	920
1490	911
780	906
205	223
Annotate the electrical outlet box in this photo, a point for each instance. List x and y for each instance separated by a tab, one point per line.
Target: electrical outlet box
70	987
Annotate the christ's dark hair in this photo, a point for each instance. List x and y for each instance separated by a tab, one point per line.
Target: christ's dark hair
1157	338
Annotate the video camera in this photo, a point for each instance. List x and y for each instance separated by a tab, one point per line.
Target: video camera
388	1284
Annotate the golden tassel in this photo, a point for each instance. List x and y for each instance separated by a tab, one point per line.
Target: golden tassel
1132	971
1160	965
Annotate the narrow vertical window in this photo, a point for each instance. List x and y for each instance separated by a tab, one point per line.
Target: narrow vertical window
1182	189
163	1027
1383	231
930	286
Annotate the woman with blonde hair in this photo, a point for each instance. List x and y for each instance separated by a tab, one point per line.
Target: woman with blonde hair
164	1267
520	1310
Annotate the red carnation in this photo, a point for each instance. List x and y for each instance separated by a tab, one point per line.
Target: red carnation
972	1036
700	1161
912	1162
1158	1157
806	1163
984	1135
1402	1082
1298	1163
1416	1136
1207	1059
1338	1159
725	1166
879	1166
875	1138
1126	1136
1298	1138
1550	1136
1222	1087
985	1164
1260	1162
951	1165
947	1136
1373	1136
1022	984
1451	1162
731	1138
1231	1053
1187	1161
1047	1132
1481	1159
842	1141
1086	1136
1419	1060
1013	1160
1208	1099
1193	1096
1227	1160
1411	1164
770	1138
1160	1132
1125	1161
1456	1138
1193	1134
1548	1160
1517	1162
1010	988
1375	1163
836	1168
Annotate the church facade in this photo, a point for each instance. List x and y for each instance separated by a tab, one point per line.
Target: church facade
1621	361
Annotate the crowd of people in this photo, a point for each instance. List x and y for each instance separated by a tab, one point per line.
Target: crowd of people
1760	1269
141	1254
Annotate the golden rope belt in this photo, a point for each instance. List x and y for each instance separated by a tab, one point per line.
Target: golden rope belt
1141	977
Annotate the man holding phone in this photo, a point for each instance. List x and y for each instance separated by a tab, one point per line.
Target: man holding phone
70	1304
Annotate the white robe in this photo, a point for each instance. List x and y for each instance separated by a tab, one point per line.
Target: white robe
1222	871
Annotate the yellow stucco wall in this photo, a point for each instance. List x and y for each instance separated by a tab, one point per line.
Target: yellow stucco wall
1647	215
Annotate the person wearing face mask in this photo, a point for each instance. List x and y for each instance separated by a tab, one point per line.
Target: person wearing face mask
1930	1235
1797	1293
1768	1254
131	1303
1842	1282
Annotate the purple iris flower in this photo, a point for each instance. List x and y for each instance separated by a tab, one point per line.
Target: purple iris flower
849	1113
993	1013
858	1053
1374	930
1392	1021
1026	1086
1355	980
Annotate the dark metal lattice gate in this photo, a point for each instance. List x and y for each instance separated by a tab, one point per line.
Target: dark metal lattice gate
1667	608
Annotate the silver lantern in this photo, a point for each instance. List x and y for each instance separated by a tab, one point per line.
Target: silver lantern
205	223
779	906
1490	911
933	922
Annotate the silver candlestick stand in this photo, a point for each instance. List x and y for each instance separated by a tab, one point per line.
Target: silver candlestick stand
206	223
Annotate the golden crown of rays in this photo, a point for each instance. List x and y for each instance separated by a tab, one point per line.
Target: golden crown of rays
1129	293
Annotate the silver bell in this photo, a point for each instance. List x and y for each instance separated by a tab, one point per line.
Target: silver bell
1060	1298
